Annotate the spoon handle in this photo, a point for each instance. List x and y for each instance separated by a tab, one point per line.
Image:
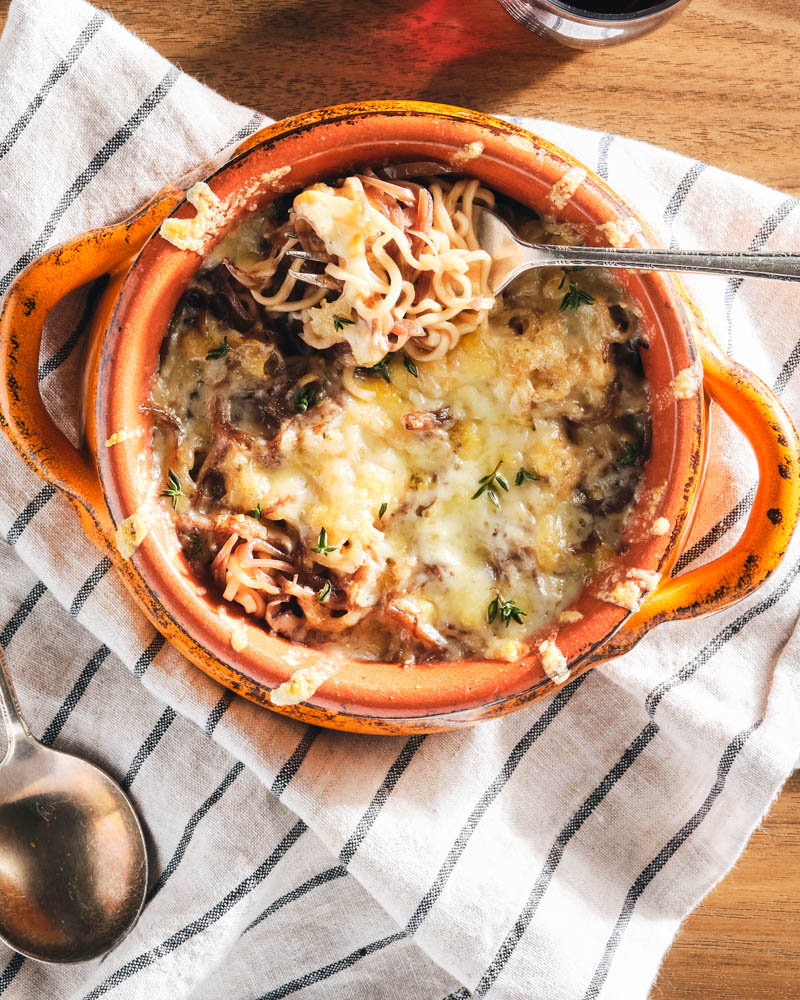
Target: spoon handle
16	727
783	266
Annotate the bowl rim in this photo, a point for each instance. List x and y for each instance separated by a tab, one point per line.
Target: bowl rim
476	688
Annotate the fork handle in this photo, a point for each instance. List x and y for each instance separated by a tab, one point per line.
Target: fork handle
783	266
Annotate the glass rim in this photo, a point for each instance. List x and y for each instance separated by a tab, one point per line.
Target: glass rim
657	7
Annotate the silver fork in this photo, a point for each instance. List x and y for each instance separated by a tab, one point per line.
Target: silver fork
511	256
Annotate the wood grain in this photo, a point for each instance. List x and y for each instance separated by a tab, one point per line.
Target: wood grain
718	83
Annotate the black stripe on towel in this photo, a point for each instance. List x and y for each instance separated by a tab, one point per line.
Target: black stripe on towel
321	878
720	639
379	800
16	621
758	242
488	797
58	71
10	971
680	195
75	695
89	585
311	978
151	741
25	517
661	859
95	165
203	922
292	765
191	826
606	139
149	654
216	713
566	834
57	359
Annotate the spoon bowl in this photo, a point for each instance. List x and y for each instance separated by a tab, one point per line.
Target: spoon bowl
73	862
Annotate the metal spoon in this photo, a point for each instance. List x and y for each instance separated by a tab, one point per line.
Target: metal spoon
73	863
511	256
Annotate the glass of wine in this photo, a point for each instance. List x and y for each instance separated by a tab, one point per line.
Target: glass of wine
589	24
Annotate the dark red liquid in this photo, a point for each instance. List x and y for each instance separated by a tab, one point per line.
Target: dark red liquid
610	7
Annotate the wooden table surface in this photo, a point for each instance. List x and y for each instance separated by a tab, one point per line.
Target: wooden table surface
718	83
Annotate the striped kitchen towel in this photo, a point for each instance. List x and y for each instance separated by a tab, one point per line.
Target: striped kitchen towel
551	854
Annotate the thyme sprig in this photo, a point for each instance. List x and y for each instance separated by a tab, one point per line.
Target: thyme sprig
507	609
381	369
322	546
574	296
198	546
173	490
490	483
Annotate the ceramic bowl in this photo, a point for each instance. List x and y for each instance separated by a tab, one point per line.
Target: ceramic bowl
147	277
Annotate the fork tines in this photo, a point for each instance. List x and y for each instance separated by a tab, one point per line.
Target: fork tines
320	280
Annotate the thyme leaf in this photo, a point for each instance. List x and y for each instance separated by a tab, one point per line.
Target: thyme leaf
323	592
411	368
219	352
523	474
173	490
631	453
340	322
322	546
304	397
255	512
382	510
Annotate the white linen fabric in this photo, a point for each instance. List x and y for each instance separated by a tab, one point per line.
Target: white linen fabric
550	854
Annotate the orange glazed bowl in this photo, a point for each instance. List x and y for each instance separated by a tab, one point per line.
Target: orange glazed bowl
108	484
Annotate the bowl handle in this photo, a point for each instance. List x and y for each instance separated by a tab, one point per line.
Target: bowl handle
755	409
23	416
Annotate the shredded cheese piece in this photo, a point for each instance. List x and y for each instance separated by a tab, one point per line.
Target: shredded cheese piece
191	234
469	152
567	617
554	662
619	231
660	526
123	435
132	531
630	592
302	684
687	382
566	186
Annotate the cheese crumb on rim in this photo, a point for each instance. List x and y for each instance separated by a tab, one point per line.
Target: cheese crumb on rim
132	531
554	661
687	382
660	526
566	617
123	435
566	186
630	592
302	684
191	234
469	152
619	231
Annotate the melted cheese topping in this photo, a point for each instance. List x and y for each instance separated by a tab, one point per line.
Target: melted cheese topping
390	470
